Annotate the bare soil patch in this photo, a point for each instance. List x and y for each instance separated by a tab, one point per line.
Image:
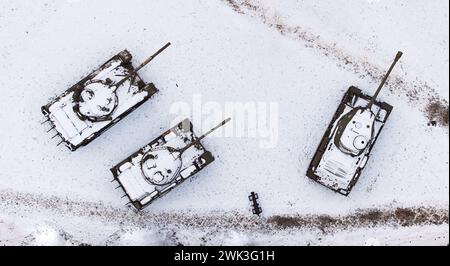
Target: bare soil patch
30	203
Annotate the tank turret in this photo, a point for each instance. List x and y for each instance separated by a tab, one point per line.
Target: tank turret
355	130
162	164
97	99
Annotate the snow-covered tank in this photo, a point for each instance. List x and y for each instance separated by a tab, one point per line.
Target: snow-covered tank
346	145
163	164
99	100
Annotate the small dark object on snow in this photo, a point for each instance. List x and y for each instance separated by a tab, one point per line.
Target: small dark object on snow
256	209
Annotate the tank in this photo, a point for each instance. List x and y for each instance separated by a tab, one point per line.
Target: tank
98	101
347	143
162	164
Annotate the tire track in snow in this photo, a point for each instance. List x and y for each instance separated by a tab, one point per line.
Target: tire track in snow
416	92
20	203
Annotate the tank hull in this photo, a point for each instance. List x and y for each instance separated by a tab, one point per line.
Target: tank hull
73	130
334	169
139	191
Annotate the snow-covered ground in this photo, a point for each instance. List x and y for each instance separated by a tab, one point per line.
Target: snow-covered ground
301	55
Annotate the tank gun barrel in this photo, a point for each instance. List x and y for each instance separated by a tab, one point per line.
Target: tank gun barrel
143	64
204	135
375	96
